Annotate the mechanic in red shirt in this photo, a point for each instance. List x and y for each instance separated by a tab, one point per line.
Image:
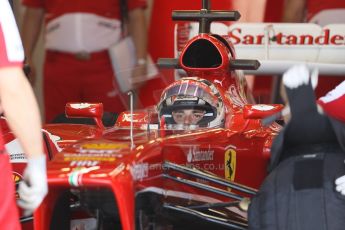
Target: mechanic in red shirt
333	104
77	35
321	12
21	110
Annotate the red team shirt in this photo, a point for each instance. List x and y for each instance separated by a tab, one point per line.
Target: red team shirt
11	55
313	8
334	102
11	51
74	26
104	8
316	6
4	60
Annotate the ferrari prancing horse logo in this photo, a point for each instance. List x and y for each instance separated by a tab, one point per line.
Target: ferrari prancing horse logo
230	164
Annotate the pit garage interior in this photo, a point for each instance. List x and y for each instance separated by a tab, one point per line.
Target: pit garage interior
262	85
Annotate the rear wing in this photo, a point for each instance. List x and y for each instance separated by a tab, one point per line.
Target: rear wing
278	46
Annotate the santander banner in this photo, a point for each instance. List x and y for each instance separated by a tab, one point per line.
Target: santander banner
278	41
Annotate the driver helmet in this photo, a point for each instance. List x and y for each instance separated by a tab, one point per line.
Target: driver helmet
191	103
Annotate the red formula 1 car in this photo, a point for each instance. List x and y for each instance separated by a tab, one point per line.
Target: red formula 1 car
150	171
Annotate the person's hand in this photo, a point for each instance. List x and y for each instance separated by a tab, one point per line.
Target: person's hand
300	75
340	185
295	77
33	188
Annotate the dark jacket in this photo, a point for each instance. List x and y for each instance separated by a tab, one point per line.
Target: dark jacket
306	158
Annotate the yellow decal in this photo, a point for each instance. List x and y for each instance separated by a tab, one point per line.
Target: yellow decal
78	169
230	164
16	178
89	158
104	146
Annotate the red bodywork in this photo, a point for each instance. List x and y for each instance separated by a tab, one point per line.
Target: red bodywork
104	158
95	158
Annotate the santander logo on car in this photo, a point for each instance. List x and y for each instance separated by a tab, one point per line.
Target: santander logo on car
276	41
289	41
327	37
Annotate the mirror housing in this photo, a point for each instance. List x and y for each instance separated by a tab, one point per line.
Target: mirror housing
260	111
85	110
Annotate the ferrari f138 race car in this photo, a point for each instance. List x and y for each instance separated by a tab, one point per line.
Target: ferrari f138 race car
151	171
